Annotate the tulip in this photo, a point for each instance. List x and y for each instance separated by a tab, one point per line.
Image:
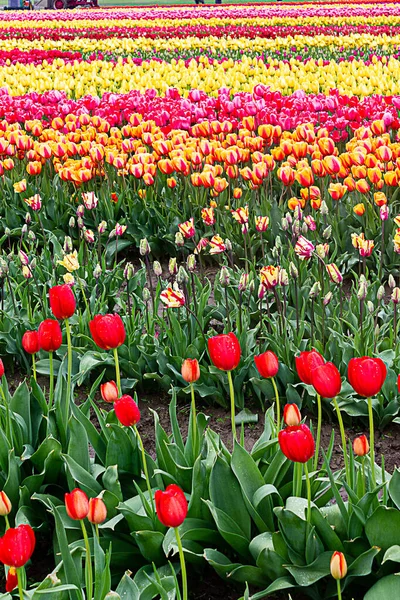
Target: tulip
109	391
17	546
191	372
30	342
12	579
97	512
108	332
127	411
361	445
172	508
62	301
77	507
306	362
304	248
1	368
326	380
172	298
5	505
291	415
338	570
267	365
50	339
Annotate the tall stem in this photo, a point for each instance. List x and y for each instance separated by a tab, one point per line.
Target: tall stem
319	425
299	475
343	436
145	470
228	319
339	589
69	346
308	492
51	392
194	422
183	564
278	406
117	371
84	297
88	569
34	366
19	579
232	396
371	440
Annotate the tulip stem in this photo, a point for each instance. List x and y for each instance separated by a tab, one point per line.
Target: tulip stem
183	564
117	371
34	366
343	436
319	425
88	569
51	392
84	297
232	396
363	475
7	522
339	589
145	470
371	440
308	493
69	345
194	422
19	579
278	406
299	475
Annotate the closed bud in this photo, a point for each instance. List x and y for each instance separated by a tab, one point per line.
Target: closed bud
324	210
146	295
395	297
298	213
384	212
112	234
251	286
109	391
296	227
361	445
288	217
304	228
278	242
3	267
157	268
23	257
327	298
144	247
97	511
31	236
261	292
182	276
190	370
338	565
80	223
391	282
291	415
362	291
293	270
376	331
224	277
28	219
370	307
179	239
172	266
315	290
275	252
7	231
5	504
191	263
68	245
381	292
71	222
80	211
243	282
26	272
285	224
327	232
228	245
101	228
97	271
283	277
33	262
24	229
129	271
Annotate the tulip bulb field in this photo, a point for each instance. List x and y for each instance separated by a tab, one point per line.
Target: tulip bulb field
199	290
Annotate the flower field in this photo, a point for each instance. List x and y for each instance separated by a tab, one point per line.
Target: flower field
200	204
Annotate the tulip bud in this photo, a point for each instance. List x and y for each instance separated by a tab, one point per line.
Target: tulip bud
5	504
33	263
384	212
112	234
88	235
243	281
71	222
298	213
370	307
157	268
362	291
228	245
381	292
24	229
80	223
285	224
26	272
224	277
391	281
261	292
338	565
283	277
293	270
80	211
23	258
68	245
291	415
28	219
191	263
144	247
395	297
31	236
275	252
109	391
129	271
324	210
146	295
190	370
127	411
304	228
322	250
172	266
251	286
278	242
179	239
97	271
101	228
77	504
296	227
3	266
288	217
315	290
182	277
326	234
361	445
97	511
327	298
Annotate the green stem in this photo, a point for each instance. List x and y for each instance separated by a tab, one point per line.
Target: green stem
8	417
88	570
34	366
19	579
278	406
51	393
299	475
183	564
371	440
117	371
232	396
319	425
308	493
68	396
339	589
97	531
194	422
343	436
7	522
145	470
84	297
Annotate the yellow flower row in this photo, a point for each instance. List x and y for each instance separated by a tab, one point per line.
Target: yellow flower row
97	77
127	45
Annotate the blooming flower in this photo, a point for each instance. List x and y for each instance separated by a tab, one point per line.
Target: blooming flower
172	298
70	261
217	245
304	248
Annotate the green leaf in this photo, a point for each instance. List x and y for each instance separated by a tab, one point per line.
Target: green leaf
84	479
383	528
229	529
394	487
387	587
310	574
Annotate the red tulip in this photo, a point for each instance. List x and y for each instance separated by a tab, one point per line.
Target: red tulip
108	331
50	336
171	506
398	383
1	368
109	391
190	370
361	445
306	362
127	410
326	380
62	301
97	511
17	546
297	443
291	415
224	351
30	342
12	579
77	504
366	375
267	364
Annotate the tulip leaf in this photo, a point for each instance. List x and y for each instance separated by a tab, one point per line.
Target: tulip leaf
387	587
229	529
328	536
150	545
82	477
392	553
283	583
309	574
